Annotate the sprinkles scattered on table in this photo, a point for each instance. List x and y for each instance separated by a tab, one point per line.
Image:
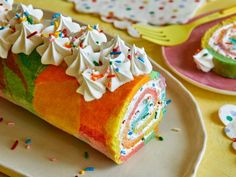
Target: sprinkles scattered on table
160	138
52	159
11	124
86	155
13	147
89	169
176	129
28	143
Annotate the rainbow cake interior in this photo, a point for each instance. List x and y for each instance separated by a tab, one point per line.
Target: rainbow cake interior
101	91
219	49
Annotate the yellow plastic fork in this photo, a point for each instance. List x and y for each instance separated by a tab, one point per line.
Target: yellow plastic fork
177	34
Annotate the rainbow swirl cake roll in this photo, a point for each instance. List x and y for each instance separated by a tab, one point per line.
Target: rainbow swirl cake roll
102	92
219	49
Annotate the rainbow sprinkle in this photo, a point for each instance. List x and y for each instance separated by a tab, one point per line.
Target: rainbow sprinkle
13	147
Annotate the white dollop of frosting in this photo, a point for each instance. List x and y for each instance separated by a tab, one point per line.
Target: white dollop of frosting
115	45
53	51
5	7
26	38
5	46
93	37
118	71
57	44
140	63
60	23
22	13
204	60
36	14
92	86
81	59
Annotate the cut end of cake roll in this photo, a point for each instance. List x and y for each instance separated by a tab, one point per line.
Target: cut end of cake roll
140	117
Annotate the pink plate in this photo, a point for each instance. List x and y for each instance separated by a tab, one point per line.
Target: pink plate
180	60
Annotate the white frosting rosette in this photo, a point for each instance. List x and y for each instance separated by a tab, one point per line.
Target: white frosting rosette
25	36
140	63
82	59
4	43
5	7
53	50
115	45
57	44
118	71
91	36
92	85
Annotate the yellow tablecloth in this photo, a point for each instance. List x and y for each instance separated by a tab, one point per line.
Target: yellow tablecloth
219	159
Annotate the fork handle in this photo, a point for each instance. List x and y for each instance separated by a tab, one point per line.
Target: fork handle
214	16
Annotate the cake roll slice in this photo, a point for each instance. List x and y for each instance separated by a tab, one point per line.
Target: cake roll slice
102	92
219	49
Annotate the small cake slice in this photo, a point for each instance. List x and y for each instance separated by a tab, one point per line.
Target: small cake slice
219	49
